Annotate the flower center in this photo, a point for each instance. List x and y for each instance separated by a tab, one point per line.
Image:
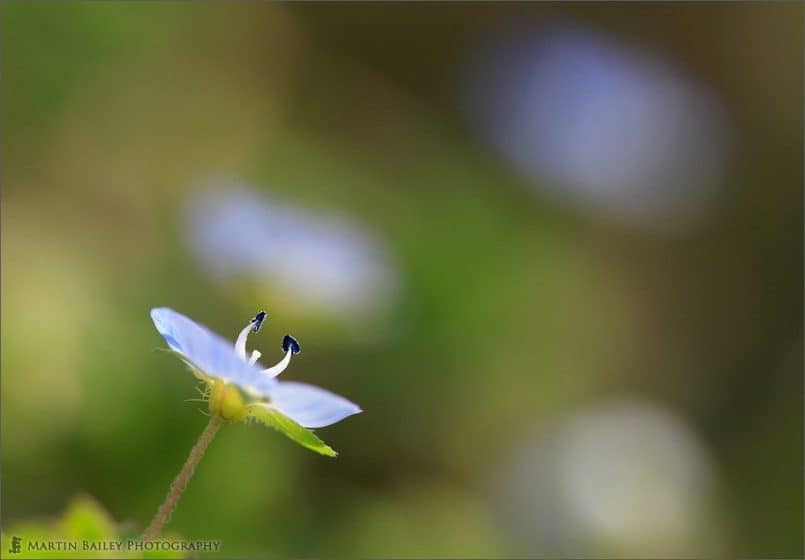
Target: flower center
226	402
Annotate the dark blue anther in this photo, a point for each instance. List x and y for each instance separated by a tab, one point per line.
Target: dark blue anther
258	321
290	342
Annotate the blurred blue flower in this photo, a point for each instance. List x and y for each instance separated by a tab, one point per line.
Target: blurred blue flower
323	262
211	356
600	122
624	472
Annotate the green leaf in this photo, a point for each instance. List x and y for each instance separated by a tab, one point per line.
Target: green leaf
84	518
83	530
282	423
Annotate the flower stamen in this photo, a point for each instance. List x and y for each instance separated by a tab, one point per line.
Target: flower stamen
289	342
257	321
254	326
291	346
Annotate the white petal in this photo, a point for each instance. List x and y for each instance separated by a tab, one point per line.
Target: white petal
275	370
240	343
310	406
207	351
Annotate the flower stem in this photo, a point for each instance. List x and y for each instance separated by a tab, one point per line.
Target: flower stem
182	479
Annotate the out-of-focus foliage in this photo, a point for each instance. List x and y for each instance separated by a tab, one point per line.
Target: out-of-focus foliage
507	311
83	530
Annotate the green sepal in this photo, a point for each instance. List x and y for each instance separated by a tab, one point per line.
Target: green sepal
301	435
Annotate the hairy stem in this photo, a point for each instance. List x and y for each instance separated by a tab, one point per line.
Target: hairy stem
182	479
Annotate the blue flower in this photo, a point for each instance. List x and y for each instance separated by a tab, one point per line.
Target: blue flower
600	122
326	263
223	366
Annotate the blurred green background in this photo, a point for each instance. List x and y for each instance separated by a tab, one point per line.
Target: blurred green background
540	376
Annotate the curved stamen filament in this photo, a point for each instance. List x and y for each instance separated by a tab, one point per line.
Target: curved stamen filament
240	343
277	369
